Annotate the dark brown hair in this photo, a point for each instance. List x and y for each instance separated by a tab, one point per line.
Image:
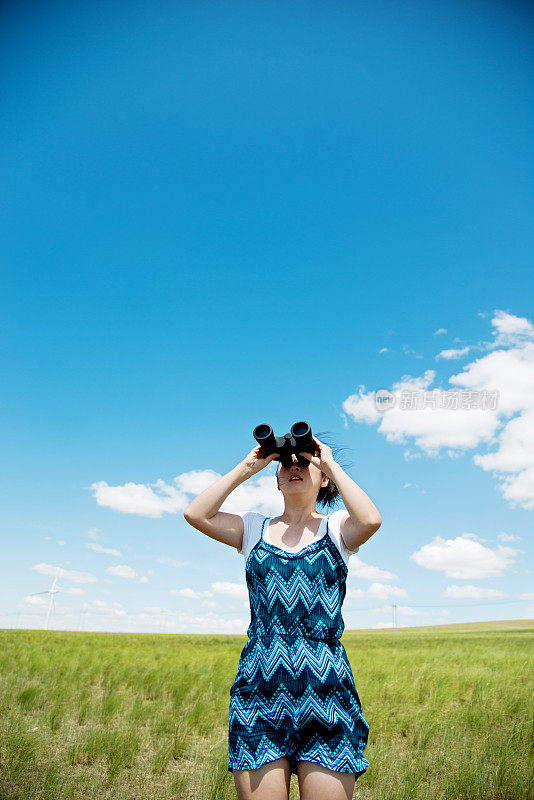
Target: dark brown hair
327	495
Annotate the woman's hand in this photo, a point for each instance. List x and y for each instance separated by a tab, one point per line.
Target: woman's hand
324	460
255	461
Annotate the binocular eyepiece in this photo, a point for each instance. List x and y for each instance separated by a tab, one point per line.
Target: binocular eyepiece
298	440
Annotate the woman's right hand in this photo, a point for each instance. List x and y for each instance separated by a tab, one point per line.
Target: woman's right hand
255	461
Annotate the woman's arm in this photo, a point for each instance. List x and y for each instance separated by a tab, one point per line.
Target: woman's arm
203	511
364	519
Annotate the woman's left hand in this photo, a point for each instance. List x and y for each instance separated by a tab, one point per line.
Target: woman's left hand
324	460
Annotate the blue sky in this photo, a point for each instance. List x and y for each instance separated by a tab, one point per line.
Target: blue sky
221	214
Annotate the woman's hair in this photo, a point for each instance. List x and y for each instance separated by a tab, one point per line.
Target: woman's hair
327	494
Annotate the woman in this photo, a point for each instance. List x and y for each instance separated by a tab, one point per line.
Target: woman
294	707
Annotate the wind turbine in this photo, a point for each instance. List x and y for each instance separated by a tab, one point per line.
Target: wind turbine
52	591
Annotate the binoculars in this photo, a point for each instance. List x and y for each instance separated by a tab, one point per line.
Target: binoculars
298	440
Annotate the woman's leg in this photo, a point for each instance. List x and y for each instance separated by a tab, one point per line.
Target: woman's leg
269	782
316	782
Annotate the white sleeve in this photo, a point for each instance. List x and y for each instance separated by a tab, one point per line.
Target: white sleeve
252	521
334	528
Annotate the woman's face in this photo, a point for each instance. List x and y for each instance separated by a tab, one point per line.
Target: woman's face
311	479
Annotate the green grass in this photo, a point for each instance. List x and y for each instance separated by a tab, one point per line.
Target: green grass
145	716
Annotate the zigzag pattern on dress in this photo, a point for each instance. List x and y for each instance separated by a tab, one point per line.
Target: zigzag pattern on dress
316	562
299	593
299	588
311	709
265	751
294	693
318	657
340	759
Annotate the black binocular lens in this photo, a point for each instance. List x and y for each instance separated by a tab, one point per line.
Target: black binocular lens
262	432
300	429
299	439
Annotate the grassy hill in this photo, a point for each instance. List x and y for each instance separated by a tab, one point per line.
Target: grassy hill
505	624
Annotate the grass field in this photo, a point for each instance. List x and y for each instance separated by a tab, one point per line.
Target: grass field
139	716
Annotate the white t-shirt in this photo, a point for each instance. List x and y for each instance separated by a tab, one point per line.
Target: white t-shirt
253	520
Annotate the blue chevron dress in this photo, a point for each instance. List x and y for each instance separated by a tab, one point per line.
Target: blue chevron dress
294	693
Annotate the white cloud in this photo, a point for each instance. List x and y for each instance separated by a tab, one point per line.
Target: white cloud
258	493
511	330
186	622
359	569
508	537
190	593
153	500
464	557
472	592
35	601
440	331
474	536
213	623
506	369
103	606
122	571
227	589
431	428
67	574
383	591
221	588
99	549
449	355
515	456
147	500
409	352
413	486
172	562
354	593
